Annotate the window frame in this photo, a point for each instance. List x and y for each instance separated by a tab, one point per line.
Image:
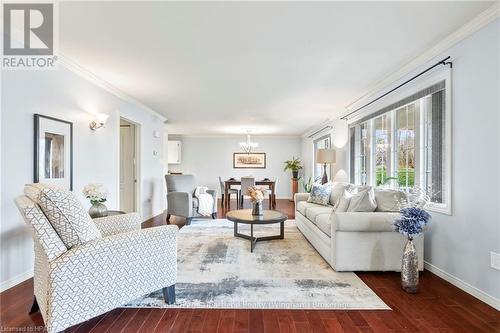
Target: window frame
431	79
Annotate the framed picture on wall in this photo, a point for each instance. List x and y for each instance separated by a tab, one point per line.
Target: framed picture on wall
249	161
53	151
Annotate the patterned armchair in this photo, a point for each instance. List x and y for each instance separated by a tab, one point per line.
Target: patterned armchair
85	280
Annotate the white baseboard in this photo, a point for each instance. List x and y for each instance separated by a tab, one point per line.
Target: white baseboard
15	280
479	294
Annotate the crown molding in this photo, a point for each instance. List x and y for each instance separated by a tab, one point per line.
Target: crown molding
91	77
474	25
234	136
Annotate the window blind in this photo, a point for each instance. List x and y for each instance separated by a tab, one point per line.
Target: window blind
427	91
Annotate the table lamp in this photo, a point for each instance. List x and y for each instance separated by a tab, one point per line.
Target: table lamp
325	156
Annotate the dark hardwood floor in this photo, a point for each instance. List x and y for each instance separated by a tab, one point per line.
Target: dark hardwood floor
438	307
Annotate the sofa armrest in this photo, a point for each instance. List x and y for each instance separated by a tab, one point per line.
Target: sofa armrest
180	204
116	224
213	193
363	221
298	197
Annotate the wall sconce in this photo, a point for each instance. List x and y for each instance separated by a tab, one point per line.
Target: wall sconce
100	120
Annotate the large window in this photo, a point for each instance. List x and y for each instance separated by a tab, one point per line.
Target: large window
404	145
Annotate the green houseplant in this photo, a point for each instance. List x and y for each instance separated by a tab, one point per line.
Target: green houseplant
294	165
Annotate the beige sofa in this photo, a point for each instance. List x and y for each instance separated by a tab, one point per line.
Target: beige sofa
353	241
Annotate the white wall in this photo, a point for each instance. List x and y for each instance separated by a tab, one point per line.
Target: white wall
458	246
66	95
210	157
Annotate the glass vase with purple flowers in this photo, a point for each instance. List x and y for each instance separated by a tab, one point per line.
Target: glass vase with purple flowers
412	223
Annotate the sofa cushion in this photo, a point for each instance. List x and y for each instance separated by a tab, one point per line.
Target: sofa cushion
363	201
388	199
302	206
320	194
67	216
361	221
337	191
324	223
313	212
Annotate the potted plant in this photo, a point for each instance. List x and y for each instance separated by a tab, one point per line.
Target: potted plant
97	194
293	165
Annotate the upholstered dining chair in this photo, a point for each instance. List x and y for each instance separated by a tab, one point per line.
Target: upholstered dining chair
229	192
84	267
272	198
246	182
181	200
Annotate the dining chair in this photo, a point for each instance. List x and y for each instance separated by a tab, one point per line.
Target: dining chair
246	182
229	192
272	198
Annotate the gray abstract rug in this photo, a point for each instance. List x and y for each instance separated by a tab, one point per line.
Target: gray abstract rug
217	270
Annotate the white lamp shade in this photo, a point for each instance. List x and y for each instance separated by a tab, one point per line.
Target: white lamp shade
325	156
101	118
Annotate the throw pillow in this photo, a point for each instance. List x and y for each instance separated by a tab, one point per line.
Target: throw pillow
363	201
337	191
67	216
320	194
343	203
388	199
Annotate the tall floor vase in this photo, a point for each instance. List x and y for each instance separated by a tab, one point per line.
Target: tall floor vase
409	268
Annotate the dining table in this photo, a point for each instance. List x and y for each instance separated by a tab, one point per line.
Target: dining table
269	183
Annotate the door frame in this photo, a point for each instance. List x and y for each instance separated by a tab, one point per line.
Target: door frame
138	163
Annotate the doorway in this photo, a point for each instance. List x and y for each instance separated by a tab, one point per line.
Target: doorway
128	166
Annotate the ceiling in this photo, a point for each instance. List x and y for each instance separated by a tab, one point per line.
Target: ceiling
277	67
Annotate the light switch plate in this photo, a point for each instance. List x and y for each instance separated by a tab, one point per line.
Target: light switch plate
495	260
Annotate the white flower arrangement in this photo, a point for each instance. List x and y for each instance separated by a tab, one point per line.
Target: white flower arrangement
95	192
256	194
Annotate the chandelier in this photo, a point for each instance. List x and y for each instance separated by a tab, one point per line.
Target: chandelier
248	145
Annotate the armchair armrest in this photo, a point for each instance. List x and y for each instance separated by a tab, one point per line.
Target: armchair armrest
213	193
180	203
363	221
124	265
115	224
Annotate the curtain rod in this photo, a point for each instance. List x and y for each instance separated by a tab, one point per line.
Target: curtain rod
319	131
443	62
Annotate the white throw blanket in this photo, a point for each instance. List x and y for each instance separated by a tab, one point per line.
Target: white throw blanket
205	201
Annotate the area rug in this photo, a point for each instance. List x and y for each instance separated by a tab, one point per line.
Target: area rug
217	270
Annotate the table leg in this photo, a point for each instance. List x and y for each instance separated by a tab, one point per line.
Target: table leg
252	241
282	230
226	195
273	193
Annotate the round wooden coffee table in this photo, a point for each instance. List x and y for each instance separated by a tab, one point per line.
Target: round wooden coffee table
245	216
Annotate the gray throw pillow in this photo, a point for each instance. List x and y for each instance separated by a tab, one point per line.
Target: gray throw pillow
363	201
67	216
320	194
337	191
388	199
343	203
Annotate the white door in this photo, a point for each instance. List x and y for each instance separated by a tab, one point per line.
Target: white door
127	168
